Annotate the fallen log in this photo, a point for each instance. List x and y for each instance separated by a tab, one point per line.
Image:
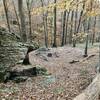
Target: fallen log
82	60
88	57
92	92
73	61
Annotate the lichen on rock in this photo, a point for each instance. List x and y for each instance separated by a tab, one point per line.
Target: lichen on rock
12	50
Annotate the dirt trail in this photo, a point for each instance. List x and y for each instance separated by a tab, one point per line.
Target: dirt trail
72	77
61	57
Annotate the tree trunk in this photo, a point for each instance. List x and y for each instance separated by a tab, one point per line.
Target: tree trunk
63	28
45	25
86	47
94	30
80	20
16	17
87	37
66	30
71	30
55	28
76	15
29	16
6	13
22	20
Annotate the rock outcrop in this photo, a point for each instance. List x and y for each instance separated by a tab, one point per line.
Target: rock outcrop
12	50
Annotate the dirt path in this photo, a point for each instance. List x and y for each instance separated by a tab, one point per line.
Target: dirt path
65	82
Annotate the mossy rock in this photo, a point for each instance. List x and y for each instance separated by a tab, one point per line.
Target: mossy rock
41	70
20	79
2	74
12	49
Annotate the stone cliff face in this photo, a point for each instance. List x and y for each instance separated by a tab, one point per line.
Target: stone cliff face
11	49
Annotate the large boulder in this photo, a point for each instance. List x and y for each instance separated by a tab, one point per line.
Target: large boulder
12	50
20	73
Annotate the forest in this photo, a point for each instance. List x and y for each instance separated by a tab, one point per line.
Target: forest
49	49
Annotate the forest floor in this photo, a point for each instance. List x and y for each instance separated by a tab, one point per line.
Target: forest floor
66	79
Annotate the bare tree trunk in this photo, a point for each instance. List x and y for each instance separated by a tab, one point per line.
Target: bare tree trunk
98	67
66	30
63	28
45	25
80	19
55	28
52	32
28	2
16	17
86	47
6	13
71	30
74	41
22	20
94	30
46	31
76	15
87	38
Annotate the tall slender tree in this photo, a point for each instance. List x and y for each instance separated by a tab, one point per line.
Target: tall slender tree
71	28
55	26
22	20
16	16
88	28
29	5
63	26
76	17
66	27
45	24
87	37
94	26
79	24
6	13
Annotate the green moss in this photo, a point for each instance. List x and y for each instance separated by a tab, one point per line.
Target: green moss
12	50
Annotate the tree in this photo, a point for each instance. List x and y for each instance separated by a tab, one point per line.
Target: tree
45	25
16	16
6	13
88	27
66	27
55	27
71	29
22	20
63	27
67	21
80	20
29	5
87	38
76	18
94	26
76	15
